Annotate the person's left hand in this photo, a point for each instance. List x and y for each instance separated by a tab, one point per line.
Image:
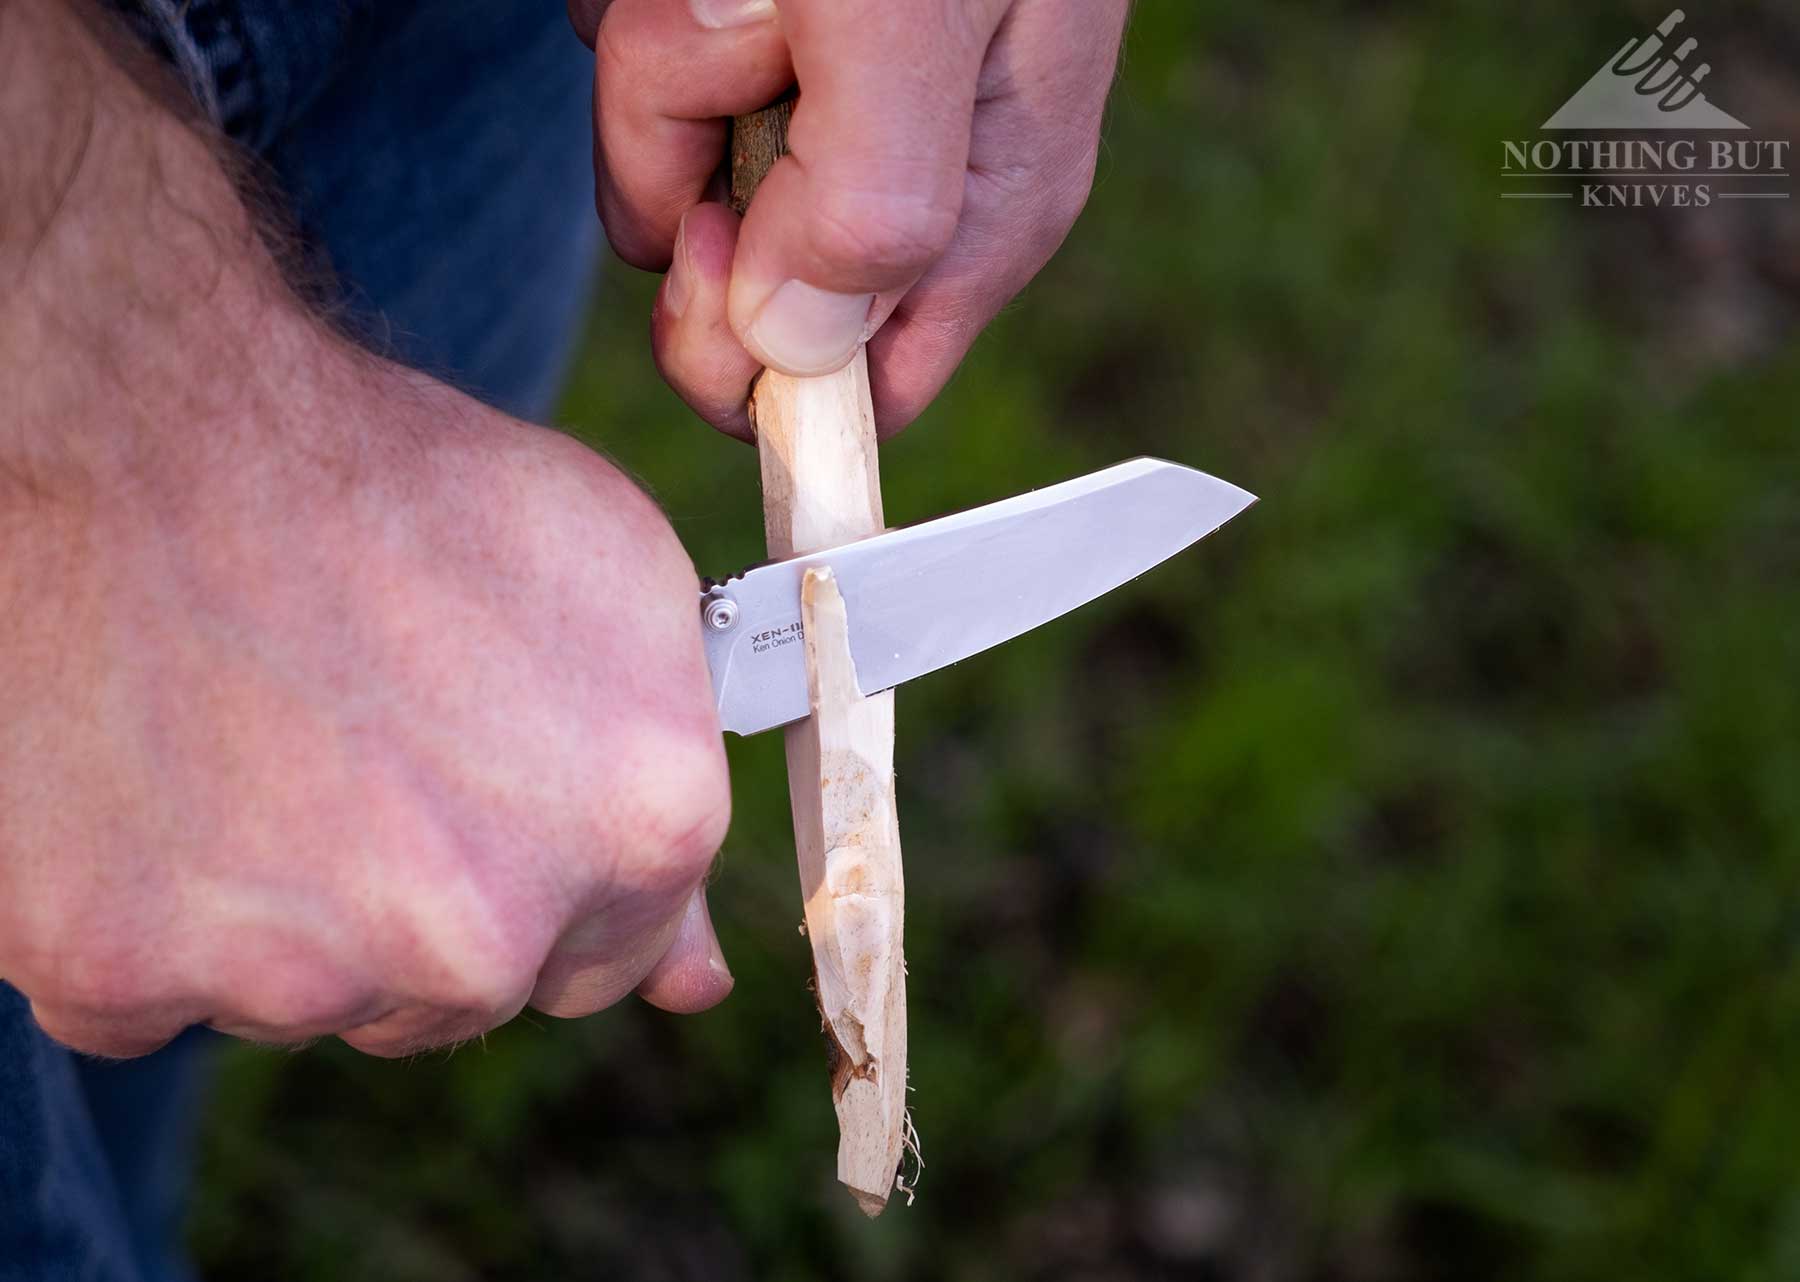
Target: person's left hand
941	150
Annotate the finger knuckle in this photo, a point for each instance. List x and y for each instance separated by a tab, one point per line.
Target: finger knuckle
584	16
685	812
302	1005
480	981
582	483
615	51
633	244
885	236
474	953
108	1039
634	62
646	527
693	837
99	982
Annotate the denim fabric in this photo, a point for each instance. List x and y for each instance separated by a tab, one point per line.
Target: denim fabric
60	1213
436	153
251	65
94	1156
448	172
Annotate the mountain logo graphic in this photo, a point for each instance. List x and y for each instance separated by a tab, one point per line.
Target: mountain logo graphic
1646	86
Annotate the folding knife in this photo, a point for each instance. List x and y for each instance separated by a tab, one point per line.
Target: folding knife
920	598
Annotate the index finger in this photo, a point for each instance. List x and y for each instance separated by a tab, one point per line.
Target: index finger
665	79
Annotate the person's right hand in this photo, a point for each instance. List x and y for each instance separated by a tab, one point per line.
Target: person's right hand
381	729
331	701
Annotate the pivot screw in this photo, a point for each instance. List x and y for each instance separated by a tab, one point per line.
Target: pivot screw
721	613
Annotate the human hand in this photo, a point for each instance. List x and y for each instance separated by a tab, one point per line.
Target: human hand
380	739
334	701
941	150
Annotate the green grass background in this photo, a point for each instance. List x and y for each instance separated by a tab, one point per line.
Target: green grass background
1405	884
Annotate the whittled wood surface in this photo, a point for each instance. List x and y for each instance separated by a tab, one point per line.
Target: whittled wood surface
821	487
846	831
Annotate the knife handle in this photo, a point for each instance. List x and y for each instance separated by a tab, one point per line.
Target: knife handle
815	438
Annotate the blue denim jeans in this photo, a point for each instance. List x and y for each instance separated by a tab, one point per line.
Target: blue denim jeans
435	153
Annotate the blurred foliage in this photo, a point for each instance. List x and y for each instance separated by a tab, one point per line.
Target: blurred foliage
1405	884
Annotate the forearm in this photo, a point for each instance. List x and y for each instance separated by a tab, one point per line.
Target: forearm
132	275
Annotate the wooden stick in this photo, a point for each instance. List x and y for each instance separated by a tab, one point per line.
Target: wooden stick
821	487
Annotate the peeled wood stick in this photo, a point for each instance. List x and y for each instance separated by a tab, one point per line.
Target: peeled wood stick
821	487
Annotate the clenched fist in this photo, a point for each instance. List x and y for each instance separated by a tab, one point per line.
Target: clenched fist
381	715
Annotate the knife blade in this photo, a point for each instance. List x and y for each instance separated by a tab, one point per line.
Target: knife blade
925	596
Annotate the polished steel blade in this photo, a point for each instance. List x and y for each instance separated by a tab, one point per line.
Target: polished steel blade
920	598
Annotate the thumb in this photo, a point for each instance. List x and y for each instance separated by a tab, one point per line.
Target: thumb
692	975
870	193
